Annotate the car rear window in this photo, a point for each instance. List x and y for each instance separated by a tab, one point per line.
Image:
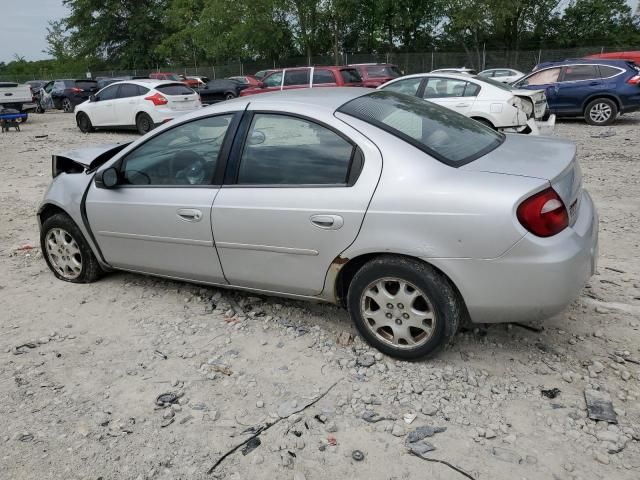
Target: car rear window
174	89
444	134
86	84
377	71
350	75
495	83
606	71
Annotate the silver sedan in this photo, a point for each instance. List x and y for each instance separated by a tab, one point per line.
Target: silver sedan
410	215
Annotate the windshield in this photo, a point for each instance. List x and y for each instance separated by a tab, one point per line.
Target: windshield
495	83
444	134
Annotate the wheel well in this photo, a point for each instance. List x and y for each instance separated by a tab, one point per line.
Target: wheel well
484	120
48	211
598	96
349	270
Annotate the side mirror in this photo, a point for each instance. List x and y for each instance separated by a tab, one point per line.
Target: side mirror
262	85
93	98
107	178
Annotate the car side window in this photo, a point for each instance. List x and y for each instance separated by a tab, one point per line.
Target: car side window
501	73
576	73
128	90
408	86
184	155
296	77
109	93
444	88
285	150
48	87
273	80
323	76
58	86
471	90
607	72
543	77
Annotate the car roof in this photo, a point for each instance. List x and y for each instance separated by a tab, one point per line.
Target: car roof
447	74
329	98
149	82
583	61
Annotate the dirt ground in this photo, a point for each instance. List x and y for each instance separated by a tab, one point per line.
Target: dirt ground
81	366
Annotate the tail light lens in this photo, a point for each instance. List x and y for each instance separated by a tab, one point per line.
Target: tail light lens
157	99
634	80
544	214
76	90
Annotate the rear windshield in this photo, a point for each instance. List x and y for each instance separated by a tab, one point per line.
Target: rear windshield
495	83
376	71
350	75
86	84
444	134
175	89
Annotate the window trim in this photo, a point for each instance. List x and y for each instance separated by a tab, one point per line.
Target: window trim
563	72
223	154
240	142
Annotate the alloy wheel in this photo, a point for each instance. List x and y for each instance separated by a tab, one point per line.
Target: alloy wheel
64	253
398	313
66	105
600	112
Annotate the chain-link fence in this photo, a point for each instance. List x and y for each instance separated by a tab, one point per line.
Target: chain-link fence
478	59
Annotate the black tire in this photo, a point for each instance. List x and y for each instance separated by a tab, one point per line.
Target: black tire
144	123
39	108
445	303
90	269
229	96
67	106
84	122
601	112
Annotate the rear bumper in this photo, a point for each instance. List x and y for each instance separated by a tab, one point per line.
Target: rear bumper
162	115
536	279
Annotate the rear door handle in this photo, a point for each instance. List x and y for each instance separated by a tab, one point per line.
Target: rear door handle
327	222
189	214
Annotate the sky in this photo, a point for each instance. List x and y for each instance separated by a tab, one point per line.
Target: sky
24	26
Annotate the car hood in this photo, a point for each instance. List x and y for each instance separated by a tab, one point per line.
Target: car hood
90	157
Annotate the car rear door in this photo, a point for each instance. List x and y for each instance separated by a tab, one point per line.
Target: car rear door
296	78
294	198
323	78
157	219
577	83
126	105
450	93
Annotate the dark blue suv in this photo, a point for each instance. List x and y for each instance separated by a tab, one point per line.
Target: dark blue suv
594	89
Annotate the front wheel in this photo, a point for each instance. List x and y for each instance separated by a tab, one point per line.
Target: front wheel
229	96
404	307
66	252
144	123
84	122
601	112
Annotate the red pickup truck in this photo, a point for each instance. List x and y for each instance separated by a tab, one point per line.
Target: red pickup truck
306	77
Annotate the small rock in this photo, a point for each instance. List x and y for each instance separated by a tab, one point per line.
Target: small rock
331	427
602	458
398	430
597	367
567	377
506	455
429	409
260	404
366	360
489	434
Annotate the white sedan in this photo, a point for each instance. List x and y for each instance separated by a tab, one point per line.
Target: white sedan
492	103
141	104
504	75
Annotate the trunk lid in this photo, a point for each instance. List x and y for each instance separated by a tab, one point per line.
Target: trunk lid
553	160
179	97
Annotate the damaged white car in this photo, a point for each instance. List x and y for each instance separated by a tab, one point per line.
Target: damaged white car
492	103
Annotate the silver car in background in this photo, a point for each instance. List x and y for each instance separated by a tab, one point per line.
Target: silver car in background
412	216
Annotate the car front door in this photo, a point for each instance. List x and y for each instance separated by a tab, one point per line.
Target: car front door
46	102
272	82
577	83
57	93
295	200
451	93
158	218
101	110
546	80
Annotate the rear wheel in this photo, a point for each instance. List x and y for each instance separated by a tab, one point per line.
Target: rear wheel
229	96
404	307
66	252
144	123
67	106
84	122
601	112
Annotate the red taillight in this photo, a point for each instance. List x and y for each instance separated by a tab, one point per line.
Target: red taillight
634	80
76	90
543	214
157	99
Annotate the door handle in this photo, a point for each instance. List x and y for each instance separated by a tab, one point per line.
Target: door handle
327	222
189	214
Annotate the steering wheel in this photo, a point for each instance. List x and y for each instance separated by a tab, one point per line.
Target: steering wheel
191	167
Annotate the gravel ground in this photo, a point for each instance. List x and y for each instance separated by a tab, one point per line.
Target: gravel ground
82	366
